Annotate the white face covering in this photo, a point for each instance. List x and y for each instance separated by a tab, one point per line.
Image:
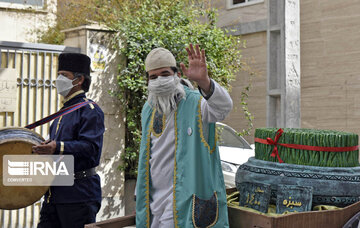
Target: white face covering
64	85
164	92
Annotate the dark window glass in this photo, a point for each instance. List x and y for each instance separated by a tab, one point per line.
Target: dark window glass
226	137
238	1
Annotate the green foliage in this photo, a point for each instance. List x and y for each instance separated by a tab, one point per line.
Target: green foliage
244	100
142	25
51	35
171	24
69	14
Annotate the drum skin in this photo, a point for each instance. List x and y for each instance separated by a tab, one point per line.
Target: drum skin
18	141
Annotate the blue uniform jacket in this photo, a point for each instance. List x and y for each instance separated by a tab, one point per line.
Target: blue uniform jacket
79	133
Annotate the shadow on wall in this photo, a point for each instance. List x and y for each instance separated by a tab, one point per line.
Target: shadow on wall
103	81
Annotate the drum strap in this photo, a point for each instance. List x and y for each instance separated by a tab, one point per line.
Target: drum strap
62	112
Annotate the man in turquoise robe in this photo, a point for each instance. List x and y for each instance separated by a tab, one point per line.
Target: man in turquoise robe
180	181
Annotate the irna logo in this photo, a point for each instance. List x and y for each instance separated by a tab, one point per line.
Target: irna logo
37	168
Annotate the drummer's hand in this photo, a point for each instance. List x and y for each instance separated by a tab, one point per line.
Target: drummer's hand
46	142
47	147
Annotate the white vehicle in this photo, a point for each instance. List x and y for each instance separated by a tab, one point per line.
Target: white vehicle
234	150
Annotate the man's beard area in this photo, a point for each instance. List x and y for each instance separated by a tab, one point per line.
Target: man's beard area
164	97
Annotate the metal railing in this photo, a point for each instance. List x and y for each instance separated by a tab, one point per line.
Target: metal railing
36	66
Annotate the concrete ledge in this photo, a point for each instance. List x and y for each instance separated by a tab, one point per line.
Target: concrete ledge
37	47
247	28
125	221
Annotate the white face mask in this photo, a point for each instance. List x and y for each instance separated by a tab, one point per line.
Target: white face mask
163	91
64	85
162	85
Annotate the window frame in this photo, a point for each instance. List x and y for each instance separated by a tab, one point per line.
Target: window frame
22	6
231	5
240	139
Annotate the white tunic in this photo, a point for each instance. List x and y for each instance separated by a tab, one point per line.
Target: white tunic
162	150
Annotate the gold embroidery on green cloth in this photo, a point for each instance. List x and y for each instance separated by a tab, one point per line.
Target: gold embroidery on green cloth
204	210
203	140
147	178
174	187
158	122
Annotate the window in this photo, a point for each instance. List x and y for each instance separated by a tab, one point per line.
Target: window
227	137
240	3
39	3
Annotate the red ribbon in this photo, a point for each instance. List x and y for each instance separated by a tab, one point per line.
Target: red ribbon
275	152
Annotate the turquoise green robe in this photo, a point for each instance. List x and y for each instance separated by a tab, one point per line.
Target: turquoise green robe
199	190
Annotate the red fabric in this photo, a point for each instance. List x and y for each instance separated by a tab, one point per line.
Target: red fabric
275	151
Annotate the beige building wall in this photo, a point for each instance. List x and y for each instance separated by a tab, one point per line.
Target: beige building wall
18	21
231	15
255	54
247	20
330	65
330	57
104	80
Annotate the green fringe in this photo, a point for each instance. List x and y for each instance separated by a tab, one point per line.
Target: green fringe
311	137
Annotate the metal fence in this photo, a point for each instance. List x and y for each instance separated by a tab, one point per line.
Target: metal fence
36	67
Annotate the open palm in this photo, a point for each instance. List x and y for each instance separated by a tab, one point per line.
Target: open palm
197	70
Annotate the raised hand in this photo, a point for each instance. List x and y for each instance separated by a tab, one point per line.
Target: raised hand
197	70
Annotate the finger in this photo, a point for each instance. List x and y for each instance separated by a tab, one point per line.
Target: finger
39	146
41	152
197	51
183	68
192	50
203	58
189	53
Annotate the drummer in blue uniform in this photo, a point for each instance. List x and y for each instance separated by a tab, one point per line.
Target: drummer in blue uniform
79	133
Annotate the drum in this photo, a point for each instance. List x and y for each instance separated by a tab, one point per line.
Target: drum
18	141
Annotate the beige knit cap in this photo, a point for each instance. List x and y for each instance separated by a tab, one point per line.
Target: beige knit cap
159	58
